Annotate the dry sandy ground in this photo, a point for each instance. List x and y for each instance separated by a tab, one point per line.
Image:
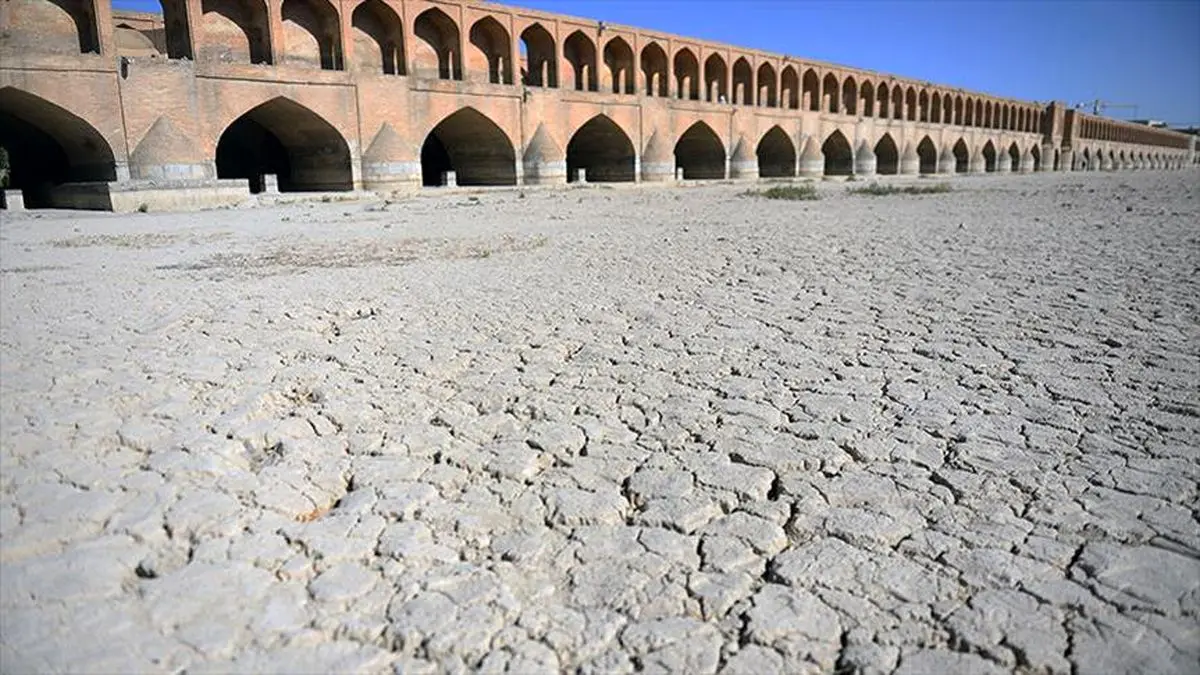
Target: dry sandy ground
608	431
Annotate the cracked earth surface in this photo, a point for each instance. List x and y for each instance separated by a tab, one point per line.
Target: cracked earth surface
661	429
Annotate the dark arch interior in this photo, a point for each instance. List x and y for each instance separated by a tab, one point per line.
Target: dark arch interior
48	146
989	157
928	155
286	139
472	146
887	156
962	158
700	154
1015	155
839	157
776	155
602	150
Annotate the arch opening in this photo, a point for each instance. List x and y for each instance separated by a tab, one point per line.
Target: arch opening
473	147
537	49
618	58
1014	155
839	156
700	153
830	91
603	150
580	52
962	157
767	94
884	96
492	51
927	152
311	34
687	75
48	146
436	53
235	32
811	97
654	70
715	73
887	156
866	94
743	82
989	157
789	89
776	155
285	139
63	26
849	97
378	38
167	34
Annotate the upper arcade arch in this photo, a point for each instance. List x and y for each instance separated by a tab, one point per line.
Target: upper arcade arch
541	64
767	95
234	31
63	26
789	88
811	87
311	34
491	56
687	75
849	96
830	91
437	53
743	82
716	78
654	71
580	54
378	39
618	59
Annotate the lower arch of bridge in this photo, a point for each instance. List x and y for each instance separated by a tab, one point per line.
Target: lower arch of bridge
700	154
776	155
962	157
1037	157
284	138
48	146
603	150
989	157
1014	153
473	147
927	152
839	157
887	156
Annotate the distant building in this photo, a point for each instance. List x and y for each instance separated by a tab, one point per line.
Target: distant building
1157	124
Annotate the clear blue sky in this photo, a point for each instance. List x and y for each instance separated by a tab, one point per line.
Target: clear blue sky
1135	52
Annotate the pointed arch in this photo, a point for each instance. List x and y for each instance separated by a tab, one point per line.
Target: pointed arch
767	91
56	26
580	53
1037	157
470	144
887	156
811	88
969	115
883	94
839	156
687	75
603	150
910	101
618	59
897	102
958	110
866	94
654	70
312	35
491	58
378	38
743	82
928	154
289	140
989	157
776	154
849	96
1014	155
234	32
1003	122
923	106
831	91
700	153
789	88
436	52
962	157
48	145
715	78
541	66
987	115
935	108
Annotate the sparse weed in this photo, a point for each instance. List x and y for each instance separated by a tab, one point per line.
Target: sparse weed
881	190
803	192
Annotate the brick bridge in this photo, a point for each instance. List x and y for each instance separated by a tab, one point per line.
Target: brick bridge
107	109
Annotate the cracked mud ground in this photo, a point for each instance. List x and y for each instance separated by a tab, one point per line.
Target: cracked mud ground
663	429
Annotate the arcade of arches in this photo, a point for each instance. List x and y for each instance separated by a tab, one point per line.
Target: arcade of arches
460	93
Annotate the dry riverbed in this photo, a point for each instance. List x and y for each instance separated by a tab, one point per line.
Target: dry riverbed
609	430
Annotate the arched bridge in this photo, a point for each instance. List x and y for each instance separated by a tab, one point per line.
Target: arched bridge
212	98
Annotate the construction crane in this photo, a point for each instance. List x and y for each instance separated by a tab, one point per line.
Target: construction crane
1099	106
